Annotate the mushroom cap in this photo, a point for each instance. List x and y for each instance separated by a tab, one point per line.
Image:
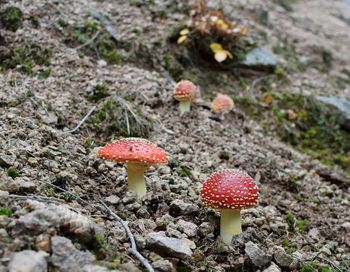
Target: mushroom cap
185	90
229	189
222	103
134	150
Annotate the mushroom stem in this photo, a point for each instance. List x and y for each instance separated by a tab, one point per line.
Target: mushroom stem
184	106
136	179
230	224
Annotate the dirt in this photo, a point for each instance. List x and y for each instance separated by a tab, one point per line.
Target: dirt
299	210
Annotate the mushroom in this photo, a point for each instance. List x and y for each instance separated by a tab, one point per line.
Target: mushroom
222	103
185	91
138	154
229	190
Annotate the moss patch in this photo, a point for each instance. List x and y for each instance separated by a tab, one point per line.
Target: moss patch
26	56
11	18
93	39
115	119
304	123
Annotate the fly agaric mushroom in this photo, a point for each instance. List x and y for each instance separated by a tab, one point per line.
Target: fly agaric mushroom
138	154
222	103
185	91
229	190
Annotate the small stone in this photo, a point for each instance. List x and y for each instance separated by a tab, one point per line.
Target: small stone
7	184
66	257
95	268
163	266
189	228
4	221
4	196
130	197
101	63
6	161
179	207
206	228
25	185
314	234
256	255
260	58
282	258
28	261
346	225
129	267
113	200
170	246
272	268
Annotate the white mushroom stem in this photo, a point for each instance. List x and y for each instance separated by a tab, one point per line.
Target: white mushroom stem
136	178
230	224
184	106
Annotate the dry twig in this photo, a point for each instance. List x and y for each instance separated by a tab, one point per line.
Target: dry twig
133	250
81	122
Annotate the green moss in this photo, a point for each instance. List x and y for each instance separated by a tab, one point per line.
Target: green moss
302	224
13	172
303	122
290	218
44	73
115	120
5	211
99	92
26	56
11	18
97	41
313	266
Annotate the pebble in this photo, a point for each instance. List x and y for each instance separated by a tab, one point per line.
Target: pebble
189	228
272	268
256	255
28	261
66	257
174	247
163	266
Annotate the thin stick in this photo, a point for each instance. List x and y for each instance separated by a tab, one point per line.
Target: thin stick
133	248
89	41
81	122
65	191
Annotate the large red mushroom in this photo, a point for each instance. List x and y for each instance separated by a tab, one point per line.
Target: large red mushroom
185	92
229	190
138	154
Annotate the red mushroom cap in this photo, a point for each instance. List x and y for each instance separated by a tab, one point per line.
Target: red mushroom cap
134	150
222	103
229	189
185	90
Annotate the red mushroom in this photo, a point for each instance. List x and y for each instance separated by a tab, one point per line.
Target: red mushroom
229	190
222	103
185	91
138	154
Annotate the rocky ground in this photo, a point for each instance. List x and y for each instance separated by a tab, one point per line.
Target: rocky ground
52	180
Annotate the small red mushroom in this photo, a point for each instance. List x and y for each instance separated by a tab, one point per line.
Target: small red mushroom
222	103
138	154
229	190
185	92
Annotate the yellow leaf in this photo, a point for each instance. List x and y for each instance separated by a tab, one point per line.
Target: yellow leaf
181	39
228	53
220	56
222	25
215	47
185	31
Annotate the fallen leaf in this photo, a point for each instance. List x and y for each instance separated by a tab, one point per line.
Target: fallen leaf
181	39
215	47
184	31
